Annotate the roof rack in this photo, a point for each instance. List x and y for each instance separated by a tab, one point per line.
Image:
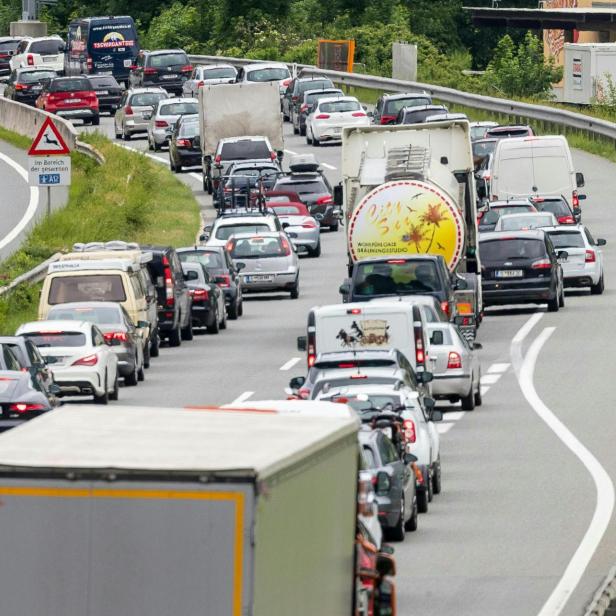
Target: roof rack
302	163
102	264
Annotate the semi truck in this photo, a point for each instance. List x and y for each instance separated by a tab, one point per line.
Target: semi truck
409	191
146	511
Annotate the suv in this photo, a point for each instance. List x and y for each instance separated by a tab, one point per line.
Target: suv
8	45
174	300
417	115
265	71
389	105
25	84
47	51
165	68
231	222
70	97
294	94
30	359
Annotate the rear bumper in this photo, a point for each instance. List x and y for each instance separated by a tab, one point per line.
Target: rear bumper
444	386
80	114
189	158
519	292
278	282
582	276
201	314
136	126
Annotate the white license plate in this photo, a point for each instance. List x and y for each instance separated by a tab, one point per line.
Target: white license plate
49	58
169	76
147	116
73	100
387	432
259	278
509	273
128	63
99	92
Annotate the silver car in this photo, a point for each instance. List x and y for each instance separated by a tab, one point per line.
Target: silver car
303	229
135	110
528	220
268	262
208	76
166	114
454	366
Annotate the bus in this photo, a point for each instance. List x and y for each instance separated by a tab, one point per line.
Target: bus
101	46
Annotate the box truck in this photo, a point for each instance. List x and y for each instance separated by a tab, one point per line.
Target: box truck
588	69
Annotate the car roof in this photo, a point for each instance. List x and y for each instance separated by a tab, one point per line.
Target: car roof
92	304
538	198
484	123
355	355
399	95
331	99
144	90
243	236
423	108
51	37
12	339
9	39
219	249
242	138
299	176
158	52
560	228
221	65
514	202
266	65
525	215
312	78
323	90
178	99
60	325
409	257
526	234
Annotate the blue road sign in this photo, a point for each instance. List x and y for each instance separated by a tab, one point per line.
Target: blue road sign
47	179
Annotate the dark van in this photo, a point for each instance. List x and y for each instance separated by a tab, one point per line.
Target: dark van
101	46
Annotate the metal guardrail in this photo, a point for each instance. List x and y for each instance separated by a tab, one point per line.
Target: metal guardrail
36	274
539	113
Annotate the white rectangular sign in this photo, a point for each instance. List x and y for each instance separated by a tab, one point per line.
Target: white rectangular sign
49	170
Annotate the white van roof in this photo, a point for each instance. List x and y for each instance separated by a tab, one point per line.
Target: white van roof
99	264
387	305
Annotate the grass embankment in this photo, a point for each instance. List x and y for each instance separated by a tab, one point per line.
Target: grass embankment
130	197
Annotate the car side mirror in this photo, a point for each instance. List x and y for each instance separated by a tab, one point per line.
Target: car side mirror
437	337
296	382
204	237
409	458
338	194
345	288
562	255
302	343
477	346
240	266
460	284
429	402
50	360
579	179
600	242
436	415
280	154
425	377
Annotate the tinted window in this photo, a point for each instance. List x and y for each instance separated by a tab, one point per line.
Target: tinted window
313	84
105	81
387	451
290	210
244	150
47	48
95	287
416	117
35	76
189	129
147	99
207	259
268	74
10	361
168	60
178	108
306	188
8	46
226	231
218	73
369	457
519	221
567	239
339	106
16	350
57	339
382	402
315	96
556	206
484	148
99	315
511	248
259	248
393	107
393	278
70	85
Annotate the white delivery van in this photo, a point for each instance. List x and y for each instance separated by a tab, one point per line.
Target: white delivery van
525	166
367	326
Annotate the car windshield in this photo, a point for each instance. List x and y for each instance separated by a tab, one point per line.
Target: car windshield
146	99
57	339
519	221
400	277
100	315
70	85
567	239
290	210
268	74
207	259
219	73
504	249
35	76
245	149
168	59
47	48
339	106
258	248
392	107
556	206
105	81
178	109
224	232
94	287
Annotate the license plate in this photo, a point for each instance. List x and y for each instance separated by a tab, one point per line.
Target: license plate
73	100
99	92
336	130
169	76
36	88
387	432
509	273
128	63
49	58
259	278
147	116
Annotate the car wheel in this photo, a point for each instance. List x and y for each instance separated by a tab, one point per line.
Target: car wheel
141	373
397	532
468	401
315	252
118	134
155	146
308	137
295	290
125	135
597	289
422	501
233	310
214	328
437	484
302	130
154	347
334	227
131	379
178	168
209	187
187	332
315	142
554	304
96	120
223	322
295	130
104	397
146	356
412	522
478	396
240	308
561	298
175	339
115	392
429	485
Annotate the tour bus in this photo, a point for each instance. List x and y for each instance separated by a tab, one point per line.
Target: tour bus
101	46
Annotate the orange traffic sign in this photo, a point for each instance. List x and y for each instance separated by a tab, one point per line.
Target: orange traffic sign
49	141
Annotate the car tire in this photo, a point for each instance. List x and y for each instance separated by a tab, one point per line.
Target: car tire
118	135
150	146
308	138
478	396
155	146
132	379
295	130
175	339
104	397
146	357
315	142
430	488
187	332
125	135
154	346
178	169
141	373
422	501
115	392
233	311
223	321
302	131
334	227
214	328
437	481
315	252
561	297
295	290
209	187
412	522
398	532
597	289
468	401
240	308
554	303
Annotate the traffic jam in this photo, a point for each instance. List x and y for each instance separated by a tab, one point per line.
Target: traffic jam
444	220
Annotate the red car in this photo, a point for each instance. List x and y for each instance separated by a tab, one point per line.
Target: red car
72	98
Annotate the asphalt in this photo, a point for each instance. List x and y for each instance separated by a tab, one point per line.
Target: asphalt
516	503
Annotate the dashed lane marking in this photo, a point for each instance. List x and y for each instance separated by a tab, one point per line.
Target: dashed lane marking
288	365
328	166
498	368
242	397
490	379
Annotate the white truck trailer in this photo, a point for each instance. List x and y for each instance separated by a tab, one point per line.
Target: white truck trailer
587	70
129	511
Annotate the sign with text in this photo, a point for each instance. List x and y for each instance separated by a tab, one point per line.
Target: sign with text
49	170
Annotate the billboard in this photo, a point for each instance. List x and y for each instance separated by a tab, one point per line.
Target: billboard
336	55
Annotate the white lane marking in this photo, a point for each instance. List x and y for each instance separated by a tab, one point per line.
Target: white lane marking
484	390
328	166
288	365
490	379
242	397
498	368
516	341
32	204
290	152
455	416
603	484
197	176
443	428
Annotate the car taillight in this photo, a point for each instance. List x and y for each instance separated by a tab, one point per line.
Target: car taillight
445	307
303	108
88	360
420	355
89	63
358	114
128	110
575	200
409	431
354	311
388	119
200	84
479	216
542	264
273	155
149	71
224	280
454	361
21	86
24	407
170	298
285	246
183	143
309	225
30	59
115	337
566	220
590	257
186	69
359	376
346	365
325	200
199	295
322	116
218	159
295	98
161	123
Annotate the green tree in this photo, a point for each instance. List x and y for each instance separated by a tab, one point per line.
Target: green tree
176	26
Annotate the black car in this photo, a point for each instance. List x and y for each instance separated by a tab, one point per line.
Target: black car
28	357
417	115
174	301
293	95
185	144
8	45
21	398
207	301
521	267
389	105
310	97
108	92
165	68
25	84
222	270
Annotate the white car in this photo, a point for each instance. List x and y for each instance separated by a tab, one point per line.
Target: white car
165	115
208	76
583	266
43	51
234	222
266	71
329	116
479	129
82	362
528	220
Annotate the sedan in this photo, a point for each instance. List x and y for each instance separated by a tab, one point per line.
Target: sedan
135	110
455	366
25	84
107	90
523	222
208	301
164	118
330	115
300	226
21	398
185	144
83	364
208	76
559	206
268	262
583	266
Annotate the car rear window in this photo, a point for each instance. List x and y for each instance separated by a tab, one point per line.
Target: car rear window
105	81
258	248
9	45
508	132
290	210
532	221
416	117
354	363
396	278
95	287
47	48
484	148
307	187
339	106
268	74
57	339
555	206
189	128
313	84
146	99
380	402
209	260
315	96
165	60
35	76
503	249
178	109
245	149
567	239
224	232
393	107
70	85
491	216
218	73
101	315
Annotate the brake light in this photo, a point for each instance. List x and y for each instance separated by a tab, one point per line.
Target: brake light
303	108
161	123
128	110
199	295
325	200
224	280
183	143
21	86
346	365
218	159
149	71
359	376
396	261
409	431
285	246
358	114
538	199
200	84
354	311
575	200
454	361
420	355
24	407
542	264
186	69
566	220
309	225
89	64
88	360
115	337
445	307
590	257
30	59
322	116
170	298
273	155
388	119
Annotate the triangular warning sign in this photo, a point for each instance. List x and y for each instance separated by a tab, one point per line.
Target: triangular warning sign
48	141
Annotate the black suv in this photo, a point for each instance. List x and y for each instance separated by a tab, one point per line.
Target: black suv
108	92
294	94
389	105
222	270
165	68
417	115
521	267
174	301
